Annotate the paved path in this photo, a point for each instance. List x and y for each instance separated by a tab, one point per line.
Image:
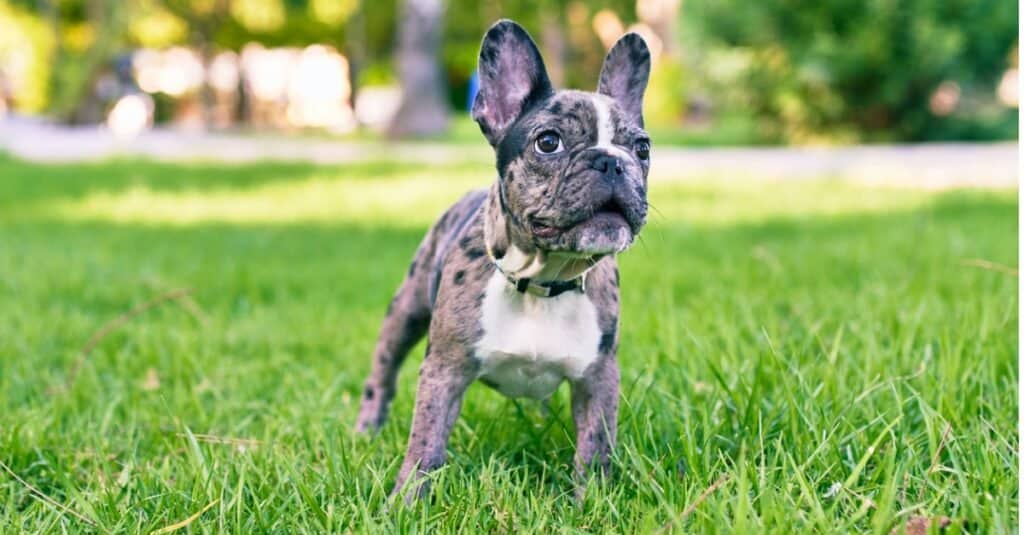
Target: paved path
933	166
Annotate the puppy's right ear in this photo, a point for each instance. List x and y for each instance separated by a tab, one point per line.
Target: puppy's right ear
512	77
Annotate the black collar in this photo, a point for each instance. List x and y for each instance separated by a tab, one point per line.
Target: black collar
547	288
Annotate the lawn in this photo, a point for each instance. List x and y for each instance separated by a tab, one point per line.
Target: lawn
797	357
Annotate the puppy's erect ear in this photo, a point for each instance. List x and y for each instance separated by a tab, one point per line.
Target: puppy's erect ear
625	72
512	77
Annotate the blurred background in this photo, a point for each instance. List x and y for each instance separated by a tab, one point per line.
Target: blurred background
726	72
205	206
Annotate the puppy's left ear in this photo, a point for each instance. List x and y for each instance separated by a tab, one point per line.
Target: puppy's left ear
512	77
625	72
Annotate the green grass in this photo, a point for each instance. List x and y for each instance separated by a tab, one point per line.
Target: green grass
830	353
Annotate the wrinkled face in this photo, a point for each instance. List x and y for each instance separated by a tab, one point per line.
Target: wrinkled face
573	174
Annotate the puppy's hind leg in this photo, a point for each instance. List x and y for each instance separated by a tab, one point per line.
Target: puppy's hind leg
407	320
409	313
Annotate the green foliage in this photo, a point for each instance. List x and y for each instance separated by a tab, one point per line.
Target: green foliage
379	73
26	52
154	26
281	23
822	346
666	98
857	70
774	70
79	61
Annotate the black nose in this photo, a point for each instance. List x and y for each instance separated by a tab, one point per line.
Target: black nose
607	164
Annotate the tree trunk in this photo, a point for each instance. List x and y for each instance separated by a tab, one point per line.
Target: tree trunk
355	48
206	98
203	26
424	108
82	104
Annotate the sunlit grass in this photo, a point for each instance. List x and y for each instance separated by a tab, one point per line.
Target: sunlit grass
413	198
407	200
835	355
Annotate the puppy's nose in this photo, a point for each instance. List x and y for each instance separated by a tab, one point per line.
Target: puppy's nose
607	164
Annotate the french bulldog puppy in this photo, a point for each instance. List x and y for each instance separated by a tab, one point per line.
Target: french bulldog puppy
517	285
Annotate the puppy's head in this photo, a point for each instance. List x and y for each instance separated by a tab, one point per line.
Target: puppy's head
572	165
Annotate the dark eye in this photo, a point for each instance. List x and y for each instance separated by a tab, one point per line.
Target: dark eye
548	143
642	149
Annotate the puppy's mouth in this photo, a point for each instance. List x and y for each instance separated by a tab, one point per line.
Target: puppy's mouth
610	214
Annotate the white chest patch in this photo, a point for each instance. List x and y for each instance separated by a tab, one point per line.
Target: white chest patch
531	344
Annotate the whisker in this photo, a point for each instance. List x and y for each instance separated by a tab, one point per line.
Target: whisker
660	214
640	239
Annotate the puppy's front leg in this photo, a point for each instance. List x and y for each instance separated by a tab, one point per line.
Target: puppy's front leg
438	400
595	406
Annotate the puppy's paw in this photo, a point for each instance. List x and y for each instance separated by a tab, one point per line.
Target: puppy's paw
371	417
415	489
596	474
364	427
